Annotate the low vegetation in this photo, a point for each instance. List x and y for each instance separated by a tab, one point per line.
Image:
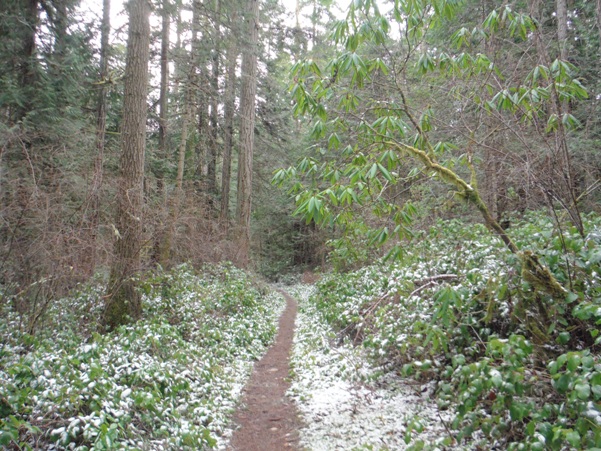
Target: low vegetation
168	381
518	369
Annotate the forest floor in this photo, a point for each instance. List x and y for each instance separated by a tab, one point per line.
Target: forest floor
267	418
310	393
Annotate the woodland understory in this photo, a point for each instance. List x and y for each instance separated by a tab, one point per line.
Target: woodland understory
436	164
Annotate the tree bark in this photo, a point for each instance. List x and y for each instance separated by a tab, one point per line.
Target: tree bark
60	25
562	28
164	92
213	118
247	129
123	301
201	102
161	232
599	21
177	53
229	101
28	64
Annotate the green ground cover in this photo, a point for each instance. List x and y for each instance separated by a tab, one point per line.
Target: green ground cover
169	381
518	369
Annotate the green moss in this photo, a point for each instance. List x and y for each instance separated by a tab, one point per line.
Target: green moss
539	276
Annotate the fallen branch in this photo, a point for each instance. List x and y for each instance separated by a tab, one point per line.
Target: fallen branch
426	280
422	284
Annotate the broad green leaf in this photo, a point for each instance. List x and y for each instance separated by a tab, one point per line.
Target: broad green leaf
385	173
583	390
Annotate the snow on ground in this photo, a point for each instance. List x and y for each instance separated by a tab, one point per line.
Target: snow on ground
346	403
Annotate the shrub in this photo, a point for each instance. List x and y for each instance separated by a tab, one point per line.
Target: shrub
455	309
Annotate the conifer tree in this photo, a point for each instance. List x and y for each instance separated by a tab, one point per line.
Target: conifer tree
123	300
247	132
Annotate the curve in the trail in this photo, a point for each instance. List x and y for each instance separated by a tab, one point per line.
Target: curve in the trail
267	418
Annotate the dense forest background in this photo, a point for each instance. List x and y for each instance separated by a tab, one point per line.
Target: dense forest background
503	95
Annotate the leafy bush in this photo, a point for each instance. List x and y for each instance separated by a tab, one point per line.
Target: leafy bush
519	368
169	381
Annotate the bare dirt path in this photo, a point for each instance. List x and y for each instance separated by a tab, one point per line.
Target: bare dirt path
267	419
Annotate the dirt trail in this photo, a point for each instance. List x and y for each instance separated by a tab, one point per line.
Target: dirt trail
267	419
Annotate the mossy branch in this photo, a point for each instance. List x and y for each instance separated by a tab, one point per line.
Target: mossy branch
533	272
465	190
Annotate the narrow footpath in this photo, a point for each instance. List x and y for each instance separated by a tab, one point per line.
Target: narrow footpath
267	420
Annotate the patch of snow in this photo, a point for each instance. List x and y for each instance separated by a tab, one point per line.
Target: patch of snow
345	404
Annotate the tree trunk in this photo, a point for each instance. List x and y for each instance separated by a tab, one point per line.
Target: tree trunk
599	21
562	28
201	157
314	24
163	154
94	196
179	29
213	118
229	100
200	100
164	92
247	129
123	300
28	66
60	25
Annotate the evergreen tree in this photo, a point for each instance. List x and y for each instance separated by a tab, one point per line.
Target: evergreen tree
247	131
123	301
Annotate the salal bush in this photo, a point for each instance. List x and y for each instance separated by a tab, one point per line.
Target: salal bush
169	381
455	309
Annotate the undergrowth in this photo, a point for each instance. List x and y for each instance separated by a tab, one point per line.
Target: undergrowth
169	381
519	369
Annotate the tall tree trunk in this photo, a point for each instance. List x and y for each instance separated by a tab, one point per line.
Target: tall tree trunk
201	154
94	196
599	21
229	100
200	99
60	25
28	66
314	24
164	91
213	119
163	153
177	51
562	28
247	131
181	159
123	300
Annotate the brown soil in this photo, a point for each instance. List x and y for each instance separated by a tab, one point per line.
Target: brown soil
267	419
310	277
